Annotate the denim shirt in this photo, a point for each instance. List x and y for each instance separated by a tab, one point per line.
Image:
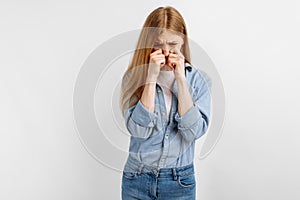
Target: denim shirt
161	144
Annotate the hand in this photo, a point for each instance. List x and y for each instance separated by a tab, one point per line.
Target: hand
176	61
157	60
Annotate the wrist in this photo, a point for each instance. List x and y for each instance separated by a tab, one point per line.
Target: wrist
180	77
151	79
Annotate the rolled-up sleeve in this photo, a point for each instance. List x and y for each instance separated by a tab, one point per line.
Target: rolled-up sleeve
139	121
194	123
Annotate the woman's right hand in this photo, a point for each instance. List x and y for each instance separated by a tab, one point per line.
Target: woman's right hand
157	60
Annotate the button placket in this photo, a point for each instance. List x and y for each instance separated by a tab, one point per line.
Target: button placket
162	100
162	161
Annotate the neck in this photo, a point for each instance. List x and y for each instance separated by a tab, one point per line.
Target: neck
166	79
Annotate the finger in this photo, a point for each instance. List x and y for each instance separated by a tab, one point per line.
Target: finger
158	57
160	61
156	52
176	51
175	56
172	63
172	56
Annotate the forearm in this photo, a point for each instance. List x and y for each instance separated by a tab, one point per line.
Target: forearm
185	101
148	95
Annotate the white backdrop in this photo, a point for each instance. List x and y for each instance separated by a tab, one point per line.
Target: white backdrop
254	45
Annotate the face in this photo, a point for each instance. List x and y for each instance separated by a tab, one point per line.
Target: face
168	41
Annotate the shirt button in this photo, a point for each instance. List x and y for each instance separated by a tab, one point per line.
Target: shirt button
166	136
162	160
158	90
163	113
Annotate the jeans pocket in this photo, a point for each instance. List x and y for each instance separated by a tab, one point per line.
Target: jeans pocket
187	180
130	175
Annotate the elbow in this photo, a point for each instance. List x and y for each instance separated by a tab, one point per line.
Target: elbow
196	131
202	128
138	131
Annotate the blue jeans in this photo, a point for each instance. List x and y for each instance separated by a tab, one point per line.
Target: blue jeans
161	184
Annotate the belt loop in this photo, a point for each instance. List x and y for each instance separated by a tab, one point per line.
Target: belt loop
174	174
141	168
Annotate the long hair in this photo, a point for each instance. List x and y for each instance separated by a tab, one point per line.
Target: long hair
134	78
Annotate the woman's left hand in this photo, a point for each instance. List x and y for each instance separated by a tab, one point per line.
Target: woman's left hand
176	61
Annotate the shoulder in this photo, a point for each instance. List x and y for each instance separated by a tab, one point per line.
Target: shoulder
196	76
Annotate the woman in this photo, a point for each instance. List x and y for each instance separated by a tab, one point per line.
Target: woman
165	102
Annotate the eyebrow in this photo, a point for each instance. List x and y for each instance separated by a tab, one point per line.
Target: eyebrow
167	42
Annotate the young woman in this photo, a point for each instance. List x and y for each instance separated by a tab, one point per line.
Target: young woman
165	102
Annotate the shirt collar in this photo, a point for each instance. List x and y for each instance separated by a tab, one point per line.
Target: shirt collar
187	67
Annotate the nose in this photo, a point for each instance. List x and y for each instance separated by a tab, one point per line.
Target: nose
166	51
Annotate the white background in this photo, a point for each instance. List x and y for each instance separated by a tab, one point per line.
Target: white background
254	45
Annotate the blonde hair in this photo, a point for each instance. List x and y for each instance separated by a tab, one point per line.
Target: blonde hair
158	21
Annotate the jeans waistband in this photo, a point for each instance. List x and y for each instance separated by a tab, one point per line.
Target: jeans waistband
173	171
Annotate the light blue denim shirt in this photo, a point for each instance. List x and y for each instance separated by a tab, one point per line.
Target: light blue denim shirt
157	143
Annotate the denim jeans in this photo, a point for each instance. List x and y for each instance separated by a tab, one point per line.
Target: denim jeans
161	184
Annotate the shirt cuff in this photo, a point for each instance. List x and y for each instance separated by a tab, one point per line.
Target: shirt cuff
142	116
187	120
